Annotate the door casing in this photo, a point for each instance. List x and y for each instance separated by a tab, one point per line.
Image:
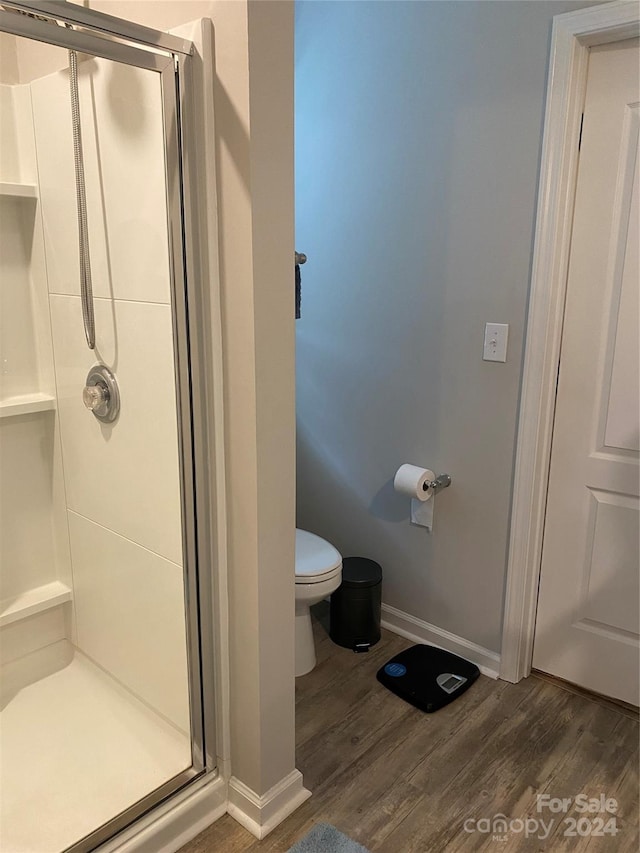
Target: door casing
573	35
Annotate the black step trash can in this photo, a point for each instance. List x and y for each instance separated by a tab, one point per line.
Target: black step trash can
355	606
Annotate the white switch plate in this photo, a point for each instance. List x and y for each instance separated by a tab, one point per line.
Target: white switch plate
495	342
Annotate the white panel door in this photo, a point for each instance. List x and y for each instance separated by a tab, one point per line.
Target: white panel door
588	607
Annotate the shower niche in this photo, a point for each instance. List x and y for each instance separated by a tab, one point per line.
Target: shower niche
100	646
34	555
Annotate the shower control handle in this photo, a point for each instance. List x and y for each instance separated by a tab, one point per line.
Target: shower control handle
95	397
101	394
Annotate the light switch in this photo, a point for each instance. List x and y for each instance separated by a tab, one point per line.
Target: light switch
495	342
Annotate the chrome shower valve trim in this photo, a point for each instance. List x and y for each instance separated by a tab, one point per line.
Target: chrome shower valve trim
101	395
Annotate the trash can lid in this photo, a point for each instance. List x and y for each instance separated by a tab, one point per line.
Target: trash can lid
360	572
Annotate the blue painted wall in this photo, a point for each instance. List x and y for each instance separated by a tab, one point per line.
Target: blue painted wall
418	134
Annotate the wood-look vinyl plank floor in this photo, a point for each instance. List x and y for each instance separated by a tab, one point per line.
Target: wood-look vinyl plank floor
400	781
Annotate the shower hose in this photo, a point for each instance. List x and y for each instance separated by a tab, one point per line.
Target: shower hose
86	289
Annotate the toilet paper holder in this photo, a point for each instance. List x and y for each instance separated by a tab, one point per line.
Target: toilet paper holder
421	485
422	510
442	481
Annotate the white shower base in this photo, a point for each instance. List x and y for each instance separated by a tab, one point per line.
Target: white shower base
76	749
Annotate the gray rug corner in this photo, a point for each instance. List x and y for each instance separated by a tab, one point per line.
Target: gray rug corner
324	838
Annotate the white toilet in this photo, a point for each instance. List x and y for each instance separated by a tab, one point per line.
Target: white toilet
318	574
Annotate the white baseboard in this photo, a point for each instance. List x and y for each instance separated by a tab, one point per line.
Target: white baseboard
175	823
172	825
422	632
261	814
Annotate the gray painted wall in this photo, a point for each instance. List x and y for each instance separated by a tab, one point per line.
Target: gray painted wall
418	131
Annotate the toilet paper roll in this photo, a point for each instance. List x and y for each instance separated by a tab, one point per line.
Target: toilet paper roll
422	513
413	481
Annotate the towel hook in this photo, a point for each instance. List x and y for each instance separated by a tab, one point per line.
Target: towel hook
300	258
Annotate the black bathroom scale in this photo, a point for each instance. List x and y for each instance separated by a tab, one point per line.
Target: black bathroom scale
427	677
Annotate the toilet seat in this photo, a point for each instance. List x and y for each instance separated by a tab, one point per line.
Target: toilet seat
316	559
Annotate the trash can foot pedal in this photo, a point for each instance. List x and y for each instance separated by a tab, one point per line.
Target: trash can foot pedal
361	647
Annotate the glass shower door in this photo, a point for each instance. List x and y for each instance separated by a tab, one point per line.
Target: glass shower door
100	628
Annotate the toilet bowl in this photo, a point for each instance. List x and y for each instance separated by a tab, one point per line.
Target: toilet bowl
318	574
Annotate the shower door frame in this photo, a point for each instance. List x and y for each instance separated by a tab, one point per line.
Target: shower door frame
171	57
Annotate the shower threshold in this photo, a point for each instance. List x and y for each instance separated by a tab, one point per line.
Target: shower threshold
77	749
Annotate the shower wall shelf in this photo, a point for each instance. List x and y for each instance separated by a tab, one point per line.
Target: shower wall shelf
26	404
18	190
34	601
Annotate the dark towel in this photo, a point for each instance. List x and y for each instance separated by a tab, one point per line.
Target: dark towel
298	291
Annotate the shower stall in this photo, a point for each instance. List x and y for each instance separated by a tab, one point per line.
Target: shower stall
102	431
